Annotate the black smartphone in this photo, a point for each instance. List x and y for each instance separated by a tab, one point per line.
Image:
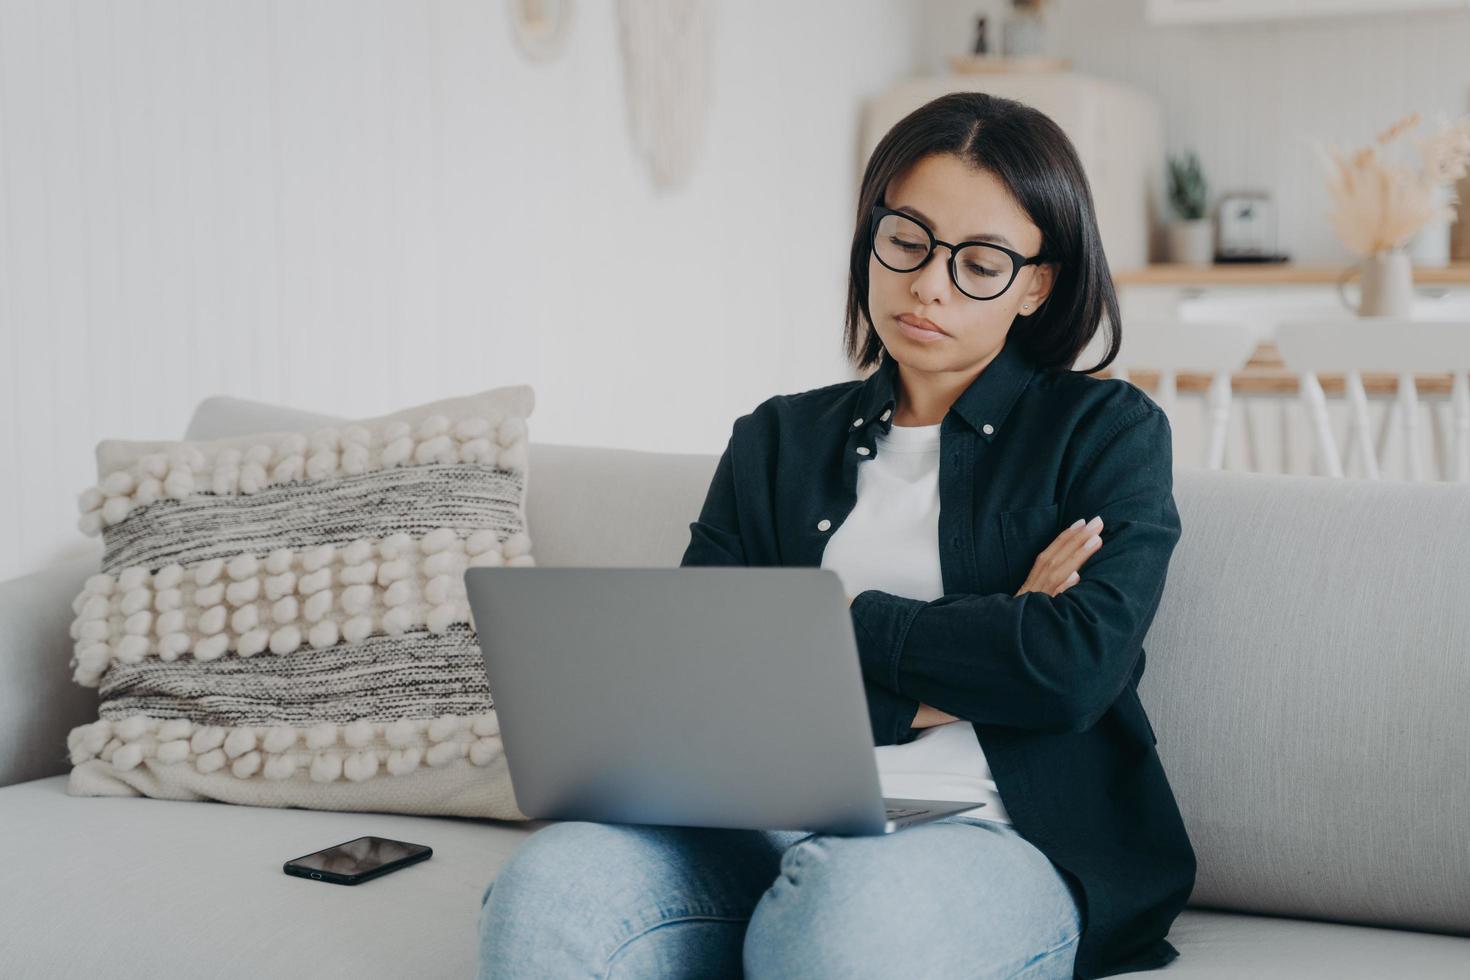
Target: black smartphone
356	861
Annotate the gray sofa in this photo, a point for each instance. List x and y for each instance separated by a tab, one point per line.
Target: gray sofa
1308	679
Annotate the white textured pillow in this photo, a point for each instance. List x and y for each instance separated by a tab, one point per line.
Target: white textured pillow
280	619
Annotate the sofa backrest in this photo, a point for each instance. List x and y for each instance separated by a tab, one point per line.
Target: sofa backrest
1308	678
1308	669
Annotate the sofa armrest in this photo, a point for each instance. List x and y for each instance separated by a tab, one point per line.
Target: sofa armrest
39	702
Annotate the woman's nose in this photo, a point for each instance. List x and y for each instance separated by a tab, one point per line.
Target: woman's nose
932	281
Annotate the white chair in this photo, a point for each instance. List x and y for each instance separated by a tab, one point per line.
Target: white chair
1352	345
1170	346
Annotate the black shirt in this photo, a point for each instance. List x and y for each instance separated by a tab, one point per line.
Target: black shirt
1049	682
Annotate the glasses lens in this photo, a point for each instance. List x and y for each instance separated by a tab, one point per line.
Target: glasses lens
982	271
899	243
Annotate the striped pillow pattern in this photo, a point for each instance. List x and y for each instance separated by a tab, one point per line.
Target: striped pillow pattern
280	619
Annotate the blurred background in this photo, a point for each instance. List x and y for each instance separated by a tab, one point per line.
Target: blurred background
644	210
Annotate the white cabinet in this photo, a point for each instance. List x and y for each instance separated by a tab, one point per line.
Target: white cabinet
1262	307
1116	129
1218	11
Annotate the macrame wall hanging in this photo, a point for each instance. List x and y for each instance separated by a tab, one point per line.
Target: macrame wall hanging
540	27
665	46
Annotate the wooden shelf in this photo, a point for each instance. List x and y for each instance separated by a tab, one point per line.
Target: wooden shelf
1264	374
1271	274
984	64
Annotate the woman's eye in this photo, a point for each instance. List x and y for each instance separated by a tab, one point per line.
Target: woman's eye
907	246
982	271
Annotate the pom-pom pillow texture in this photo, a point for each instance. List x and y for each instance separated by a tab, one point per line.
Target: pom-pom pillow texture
280	619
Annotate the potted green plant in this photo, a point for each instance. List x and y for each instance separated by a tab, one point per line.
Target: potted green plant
1191	238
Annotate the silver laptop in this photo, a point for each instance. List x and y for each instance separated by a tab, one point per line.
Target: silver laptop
700	696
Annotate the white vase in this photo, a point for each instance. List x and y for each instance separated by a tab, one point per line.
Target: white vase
1387	285
1430	246
1192	242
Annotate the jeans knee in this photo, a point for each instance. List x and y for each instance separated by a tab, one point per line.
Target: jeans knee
861	907
809	916
580	898
544	863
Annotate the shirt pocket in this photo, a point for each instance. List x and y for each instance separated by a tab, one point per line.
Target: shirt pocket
1025	533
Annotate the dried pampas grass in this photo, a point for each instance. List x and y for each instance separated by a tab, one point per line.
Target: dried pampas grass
1379	205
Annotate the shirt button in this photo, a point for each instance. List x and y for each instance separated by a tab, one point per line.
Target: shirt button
863	450
856	423
824	524
884	416
987	428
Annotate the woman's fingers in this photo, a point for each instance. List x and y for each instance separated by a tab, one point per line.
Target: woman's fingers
1072	546
1056	568
1081	540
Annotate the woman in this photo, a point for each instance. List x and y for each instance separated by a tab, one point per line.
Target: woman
1004	526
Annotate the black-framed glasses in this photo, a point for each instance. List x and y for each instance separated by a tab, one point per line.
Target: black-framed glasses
980	270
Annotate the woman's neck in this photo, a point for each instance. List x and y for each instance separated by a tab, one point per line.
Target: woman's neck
925	397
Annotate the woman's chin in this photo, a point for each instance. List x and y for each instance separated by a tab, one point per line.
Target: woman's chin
906	349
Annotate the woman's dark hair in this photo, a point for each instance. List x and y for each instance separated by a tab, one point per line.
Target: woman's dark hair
1037	163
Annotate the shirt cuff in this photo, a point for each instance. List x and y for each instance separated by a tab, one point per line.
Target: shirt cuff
881	623
891	715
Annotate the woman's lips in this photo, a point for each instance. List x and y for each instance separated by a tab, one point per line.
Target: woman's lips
922	334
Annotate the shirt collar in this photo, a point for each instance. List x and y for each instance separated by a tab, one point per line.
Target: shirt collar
984	405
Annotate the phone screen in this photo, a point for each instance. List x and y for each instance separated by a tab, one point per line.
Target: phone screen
356	859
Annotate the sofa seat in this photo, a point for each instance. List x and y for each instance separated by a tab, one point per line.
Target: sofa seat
161	888
137	887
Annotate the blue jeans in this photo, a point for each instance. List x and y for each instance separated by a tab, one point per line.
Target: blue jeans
957	897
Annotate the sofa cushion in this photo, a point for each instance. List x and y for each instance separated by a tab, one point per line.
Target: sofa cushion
199	891
281	620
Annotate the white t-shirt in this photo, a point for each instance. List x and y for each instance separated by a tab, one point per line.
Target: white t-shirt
890	541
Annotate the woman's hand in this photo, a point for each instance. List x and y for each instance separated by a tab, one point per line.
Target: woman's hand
1055	569
928	717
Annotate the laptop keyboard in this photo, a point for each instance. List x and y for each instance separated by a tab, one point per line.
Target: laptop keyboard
898	812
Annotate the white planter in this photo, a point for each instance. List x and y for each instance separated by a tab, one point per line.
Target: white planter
1430	246
1192	242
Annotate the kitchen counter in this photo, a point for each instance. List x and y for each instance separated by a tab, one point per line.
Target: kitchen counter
1271	274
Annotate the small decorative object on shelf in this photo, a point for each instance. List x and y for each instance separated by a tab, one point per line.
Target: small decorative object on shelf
1023	34
981	43
1378	206
1247	221
1191	237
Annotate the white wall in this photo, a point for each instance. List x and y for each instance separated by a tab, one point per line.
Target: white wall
1244	96
357	205
360	205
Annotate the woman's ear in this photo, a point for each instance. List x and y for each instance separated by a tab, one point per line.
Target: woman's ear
1041	286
